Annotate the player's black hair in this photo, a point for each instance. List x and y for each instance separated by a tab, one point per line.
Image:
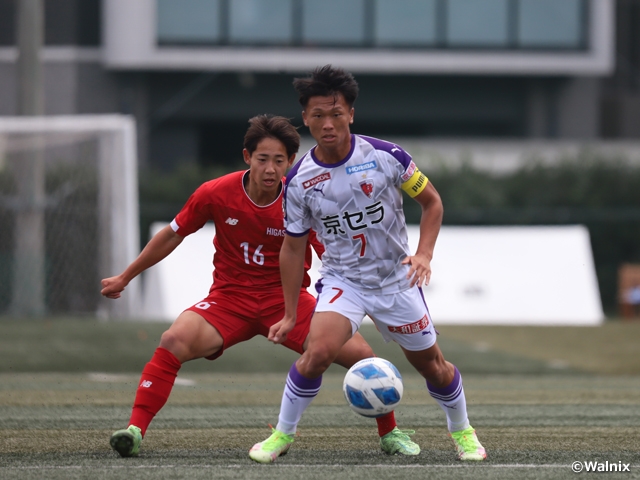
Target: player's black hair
271	126
325	82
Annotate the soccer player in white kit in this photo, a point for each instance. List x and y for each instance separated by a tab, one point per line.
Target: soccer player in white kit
347	189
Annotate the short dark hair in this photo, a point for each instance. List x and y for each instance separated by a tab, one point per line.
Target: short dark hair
271	126
324	82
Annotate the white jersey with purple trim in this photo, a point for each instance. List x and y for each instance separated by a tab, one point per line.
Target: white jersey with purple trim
355	207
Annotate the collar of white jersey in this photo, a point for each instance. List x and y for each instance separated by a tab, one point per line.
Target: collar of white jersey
334	165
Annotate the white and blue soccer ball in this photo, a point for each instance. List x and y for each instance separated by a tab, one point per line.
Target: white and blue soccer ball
373	387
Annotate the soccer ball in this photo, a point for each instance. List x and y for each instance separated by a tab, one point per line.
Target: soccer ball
373	387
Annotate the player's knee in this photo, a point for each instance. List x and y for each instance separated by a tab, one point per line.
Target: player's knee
173	342
366	351
360	348
319	358
351	354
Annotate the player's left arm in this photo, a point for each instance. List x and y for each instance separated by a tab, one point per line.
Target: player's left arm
431	219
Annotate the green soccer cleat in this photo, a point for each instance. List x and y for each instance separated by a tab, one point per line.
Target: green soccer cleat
127	442
398	441
468	446
274	446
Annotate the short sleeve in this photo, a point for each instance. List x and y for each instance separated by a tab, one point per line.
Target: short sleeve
195	213
296	219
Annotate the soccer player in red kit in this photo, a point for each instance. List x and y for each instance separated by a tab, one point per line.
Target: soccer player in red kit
246	296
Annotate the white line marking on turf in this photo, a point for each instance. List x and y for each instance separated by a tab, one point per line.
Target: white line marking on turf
111	377
123	378
296	465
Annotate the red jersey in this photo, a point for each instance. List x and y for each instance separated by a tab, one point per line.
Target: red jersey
248	236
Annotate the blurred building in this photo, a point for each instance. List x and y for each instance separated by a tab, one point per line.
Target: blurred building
193	71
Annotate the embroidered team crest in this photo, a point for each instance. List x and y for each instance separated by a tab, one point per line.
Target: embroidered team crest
367	188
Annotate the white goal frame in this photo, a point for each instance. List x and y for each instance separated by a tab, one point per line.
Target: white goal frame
118	211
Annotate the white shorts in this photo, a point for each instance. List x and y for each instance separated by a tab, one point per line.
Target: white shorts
402	317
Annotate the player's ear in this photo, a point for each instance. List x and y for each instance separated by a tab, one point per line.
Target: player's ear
304	118
247	156
291	159
351	112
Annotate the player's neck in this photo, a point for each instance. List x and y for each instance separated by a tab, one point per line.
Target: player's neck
333	155
261	197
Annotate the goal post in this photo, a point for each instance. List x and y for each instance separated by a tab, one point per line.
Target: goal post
69	209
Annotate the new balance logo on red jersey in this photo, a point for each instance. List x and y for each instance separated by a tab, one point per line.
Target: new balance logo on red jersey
146	383
231	221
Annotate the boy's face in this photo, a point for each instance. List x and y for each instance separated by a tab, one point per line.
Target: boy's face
328	119
268	164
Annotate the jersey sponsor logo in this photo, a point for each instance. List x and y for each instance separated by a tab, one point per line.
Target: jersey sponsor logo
409	328
231	221
315	180
407	175
362	167
367	188
276	232
354	220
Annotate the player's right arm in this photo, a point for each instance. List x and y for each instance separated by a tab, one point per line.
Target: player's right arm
160	246
292	256
316	244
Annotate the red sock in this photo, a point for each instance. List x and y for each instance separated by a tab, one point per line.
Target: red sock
386	423
154	388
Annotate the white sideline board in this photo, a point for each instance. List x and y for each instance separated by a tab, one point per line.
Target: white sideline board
480	275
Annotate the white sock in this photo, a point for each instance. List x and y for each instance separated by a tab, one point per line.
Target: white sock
452	400
298	393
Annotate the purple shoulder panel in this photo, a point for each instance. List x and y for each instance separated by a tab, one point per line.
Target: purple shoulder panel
391	148
294	170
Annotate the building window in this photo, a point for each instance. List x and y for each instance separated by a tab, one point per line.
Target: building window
427	24
477	23
259	21
188	21
333	22
407	23
551	23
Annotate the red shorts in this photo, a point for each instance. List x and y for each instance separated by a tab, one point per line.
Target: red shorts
239	317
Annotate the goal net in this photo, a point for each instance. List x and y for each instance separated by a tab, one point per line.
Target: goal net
69	214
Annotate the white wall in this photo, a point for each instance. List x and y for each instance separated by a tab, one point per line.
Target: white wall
480	275
513	275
